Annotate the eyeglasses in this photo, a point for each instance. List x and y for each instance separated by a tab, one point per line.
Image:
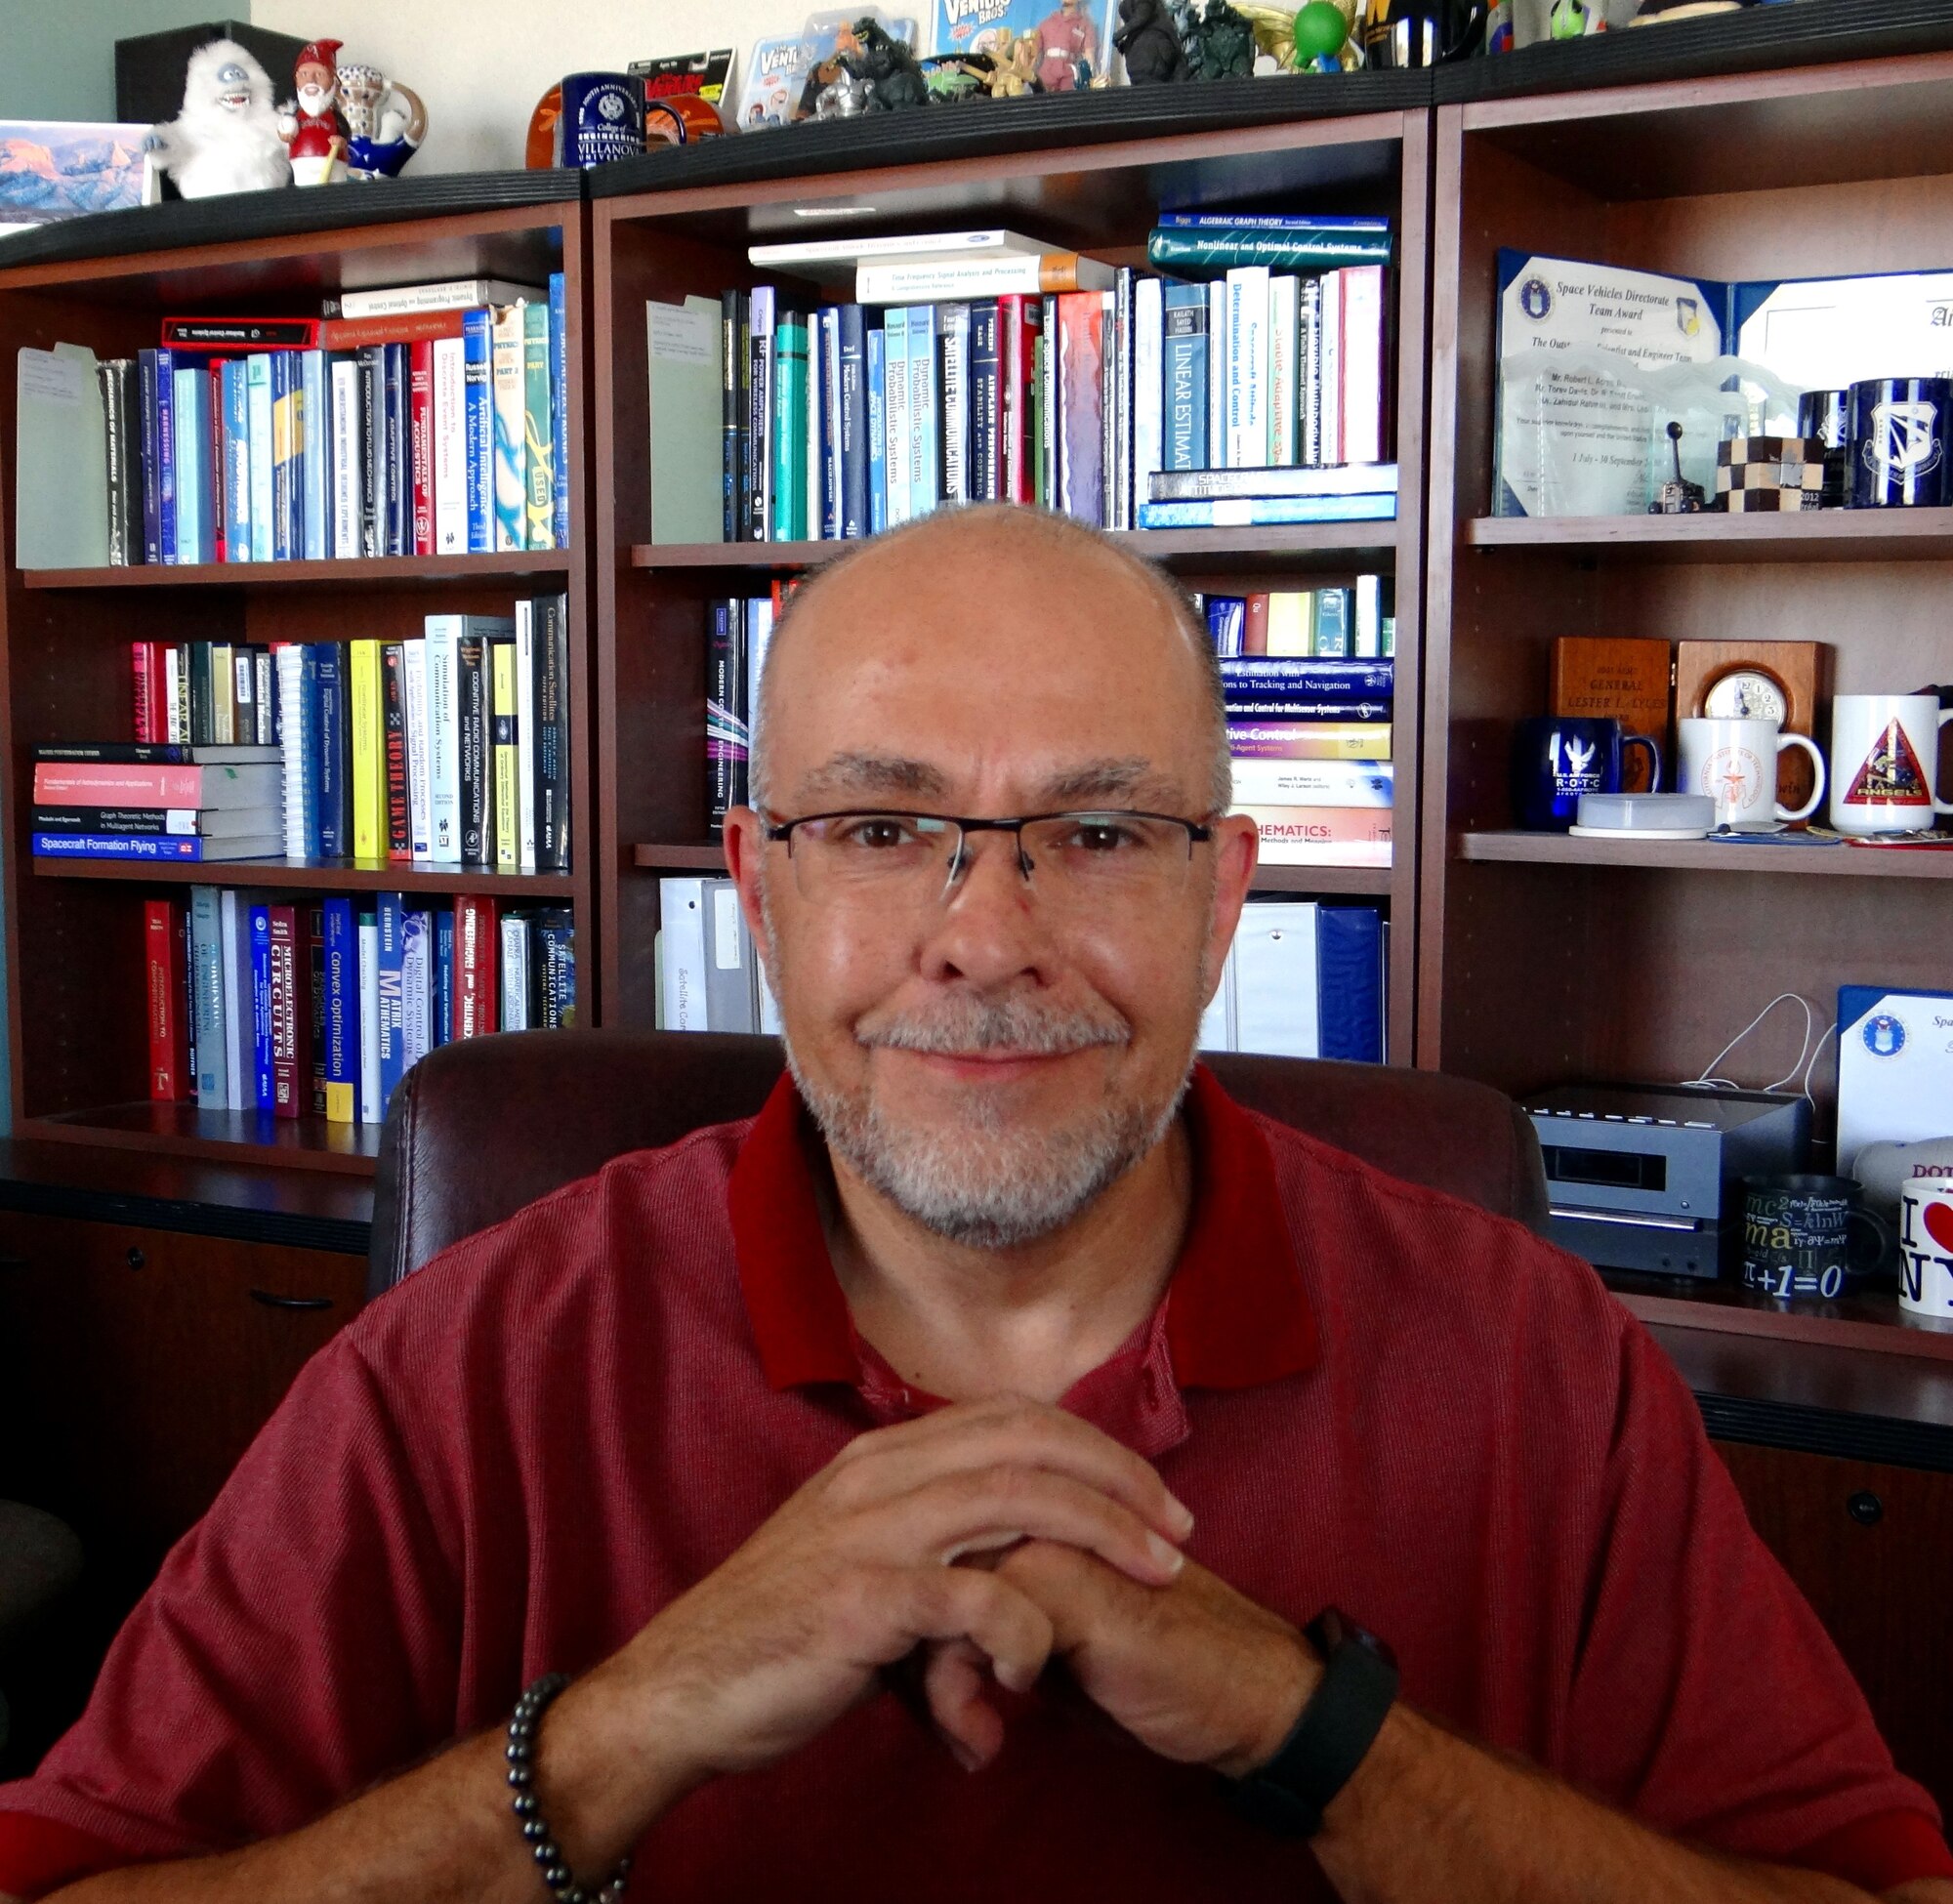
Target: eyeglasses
893	861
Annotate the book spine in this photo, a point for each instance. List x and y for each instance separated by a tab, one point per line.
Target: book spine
125	471
511	488
1305	674
507	759
258	414
164	930
347	466
1283	309
83	783
442	711
390	988
207	966
315	1006
284	455
1237	512
1309	374
393	731
514	987
397	522
558	333
216	472
985	403
833	441
330	763
191	447
895	416
471	732
539	436
451	449
1029	398
296	765
150	456
852	356
525	734
176	689
147	689
925	428
420	437
341	1011
1308	740
1148	391
1081	398
1363	334
731	304
414	699
813	432
166	454
790	370
373	449
552	754
1198	253
478	395
291	1018
555	960
366	933
878	431
724	739
366	750
1332	368
314	456
953	403
1048	487
416	988
307	733
440	1028
474	966
760	413
1120	360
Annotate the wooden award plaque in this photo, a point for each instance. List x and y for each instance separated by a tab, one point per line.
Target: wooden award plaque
1797	671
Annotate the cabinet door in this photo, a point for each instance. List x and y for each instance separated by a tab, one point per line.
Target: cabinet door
1869	1547
137	1364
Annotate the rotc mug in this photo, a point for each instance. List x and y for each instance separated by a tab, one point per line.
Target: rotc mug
1559	757
1885	752
1925	1247
1735	763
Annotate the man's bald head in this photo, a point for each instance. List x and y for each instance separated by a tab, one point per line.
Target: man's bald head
966	550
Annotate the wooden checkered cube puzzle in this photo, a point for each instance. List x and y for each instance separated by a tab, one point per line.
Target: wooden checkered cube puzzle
1755	473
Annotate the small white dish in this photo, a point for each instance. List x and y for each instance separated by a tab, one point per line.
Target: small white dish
1639	832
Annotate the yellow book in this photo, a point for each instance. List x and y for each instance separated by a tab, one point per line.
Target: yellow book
508	772
1291	622
1308	740
369	757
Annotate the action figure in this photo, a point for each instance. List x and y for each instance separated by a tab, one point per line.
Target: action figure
841	64
309	125
1067	42
382	135
896	81
225	139
1223	45
1153	49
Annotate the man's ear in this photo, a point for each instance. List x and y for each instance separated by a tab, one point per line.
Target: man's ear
1236	851
745	842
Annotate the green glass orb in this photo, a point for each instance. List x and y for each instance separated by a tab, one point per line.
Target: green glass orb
1319	30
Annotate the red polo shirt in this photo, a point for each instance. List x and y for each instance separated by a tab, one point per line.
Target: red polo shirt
1368	1394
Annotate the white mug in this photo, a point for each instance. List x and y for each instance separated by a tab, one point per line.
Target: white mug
1735	762
1885	756
1925	1247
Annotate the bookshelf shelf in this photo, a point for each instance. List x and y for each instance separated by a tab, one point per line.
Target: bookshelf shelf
229	1137
1873	1322
1827	535
368	572
1706	855
1370	547
320	876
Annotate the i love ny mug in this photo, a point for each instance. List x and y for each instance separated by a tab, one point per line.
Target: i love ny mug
1925	1247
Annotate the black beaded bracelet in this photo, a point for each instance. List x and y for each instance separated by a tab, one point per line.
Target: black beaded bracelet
521	1754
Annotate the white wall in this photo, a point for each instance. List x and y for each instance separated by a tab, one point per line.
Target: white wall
58	62
481	65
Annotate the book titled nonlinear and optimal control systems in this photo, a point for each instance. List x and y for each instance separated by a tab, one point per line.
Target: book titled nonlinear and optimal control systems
981	367
426	420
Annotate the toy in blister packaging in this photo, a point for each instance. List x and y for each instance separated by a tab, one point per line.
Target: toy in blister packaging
1072	38
771	87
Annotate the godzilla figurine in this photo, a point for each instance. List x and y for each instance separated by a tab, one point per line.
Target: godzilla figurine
1151	47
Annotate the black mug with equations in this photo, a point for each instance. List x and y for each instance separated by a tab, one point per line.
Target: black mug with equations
1798	1235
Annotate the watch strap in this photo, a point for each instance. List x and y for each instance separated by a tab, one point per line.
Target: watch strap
1329	1740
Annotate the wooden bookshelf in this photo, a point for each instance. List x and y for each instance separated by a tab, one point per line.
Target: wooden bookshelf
74	930
651	597
1709	856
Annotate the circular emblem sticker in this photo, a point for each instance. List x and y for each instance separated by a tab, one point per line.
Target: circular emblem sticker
1884	1035
610	106
1535	300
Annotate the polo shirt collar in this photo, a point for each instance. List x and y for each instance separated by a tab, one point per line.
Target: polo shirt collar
1236	1314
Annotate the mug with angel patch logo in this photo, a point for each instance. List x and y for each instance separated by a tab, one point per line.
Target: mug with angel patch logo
1899	442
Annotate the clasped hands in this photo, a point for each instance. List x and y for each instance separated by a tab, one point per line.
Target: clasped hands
998	1538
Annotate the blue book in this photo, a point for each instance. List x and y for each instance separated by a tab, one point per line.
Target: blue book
312	832
1183	378
237	463
1349	983
397	522
1248	512
558	343
442	1028
878	437
851	320
390	910
923	452
416	988
138	846
283	403
1227	617
261	1006
1299	673
258	433
315	455
206	955
825	342
895	412
341	1013
328	733
152	461
191	416
477	361
166	454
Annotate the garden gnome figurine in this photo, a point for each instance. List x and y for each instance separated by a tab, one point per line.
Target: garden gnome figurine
310	126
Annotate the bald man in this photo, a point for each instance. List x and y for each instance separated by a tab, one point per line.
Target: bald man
1003	1467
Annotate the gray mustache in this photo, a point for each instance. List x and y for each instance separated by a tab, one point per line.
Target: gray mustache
977	1025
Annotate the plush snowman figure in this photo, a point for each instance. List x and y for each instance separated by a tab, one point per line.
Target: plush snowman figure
225	139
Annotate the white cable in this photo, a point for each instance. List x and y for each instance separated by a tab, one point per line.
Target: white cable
1707	1073
1804	1045
1829	1034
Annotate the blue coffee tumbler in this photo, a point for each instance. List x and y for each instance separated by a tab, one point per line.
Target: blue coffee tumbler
1899	442
1557	758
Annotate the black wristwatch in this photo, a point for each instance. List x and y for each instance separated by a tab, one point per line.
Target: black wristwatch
1338	1725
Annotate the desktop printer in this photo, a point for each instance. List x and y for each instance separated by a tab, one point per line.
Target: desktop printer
1650	1176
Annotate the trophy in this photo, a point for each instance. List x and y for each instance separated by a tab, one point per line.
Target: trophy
1678	496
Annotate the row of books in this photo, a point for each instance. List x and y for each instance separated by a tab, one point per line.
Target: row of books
1304	979
1358	620
839	421
295	1006
434	432
453	749
709	977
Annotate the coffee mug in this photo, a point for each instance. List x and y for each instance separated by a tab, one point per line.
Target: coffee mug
1798	1235
602	117
1925	1247
1735	763
1557	758
1899	442
1885	750
1826	414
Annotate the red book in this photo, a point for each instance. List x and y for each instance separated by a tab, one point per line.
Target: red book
291	1016
315	965
106	783
240	335
165	937
146	663
420	419
349	332
219	468
393	715
1255	624
475	995
1081	405
1019	324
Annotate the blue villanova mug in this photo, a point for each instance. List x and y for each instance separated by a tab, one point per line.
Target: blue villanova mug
1899	442
602	118
1557	758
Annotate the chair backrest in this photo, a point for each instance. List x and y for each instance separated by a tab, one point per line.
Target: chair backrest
481	1128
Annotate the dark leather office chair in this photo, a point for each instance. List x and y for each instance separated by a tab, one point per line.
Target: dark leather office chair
481	1128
